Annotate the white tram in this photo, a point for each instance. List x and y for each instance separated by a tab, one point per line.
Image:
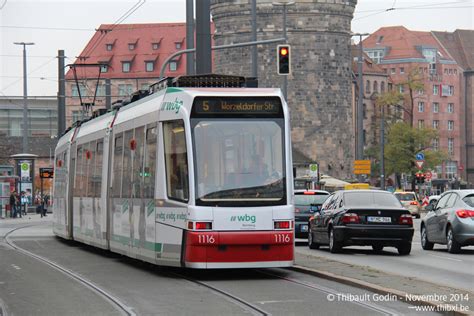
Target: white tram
185	176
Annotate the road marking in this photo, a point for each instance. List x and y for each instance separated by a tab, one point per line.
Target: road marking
16	267
446	258
286	301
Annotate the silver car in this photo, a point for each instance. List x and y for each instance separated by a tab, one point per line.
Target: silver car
451	222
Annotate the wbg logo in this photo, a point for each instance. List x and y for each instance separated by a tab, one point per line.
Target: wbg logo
244	218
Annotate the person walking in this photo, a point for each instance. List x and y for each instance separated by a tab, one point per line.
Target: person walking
13	204
44	204
18	204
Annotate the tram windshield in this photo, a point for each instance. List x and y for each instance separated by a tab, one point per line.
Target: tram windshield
239	162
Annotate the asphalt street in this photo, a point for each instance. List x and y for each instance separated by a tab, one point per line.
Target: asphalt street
437	266
149	290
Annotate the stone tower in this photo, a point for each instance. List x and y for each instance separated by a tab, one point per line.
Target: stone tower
320	85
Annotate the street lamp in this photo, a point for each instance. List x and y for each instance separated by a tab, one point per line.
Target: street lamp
284	3
25	98
360	110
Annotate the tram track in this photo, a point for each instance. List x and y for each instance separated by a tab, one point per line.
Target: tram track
326	290
111	298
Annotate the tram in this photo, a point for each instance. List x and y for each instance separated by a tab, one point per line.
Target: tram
194	173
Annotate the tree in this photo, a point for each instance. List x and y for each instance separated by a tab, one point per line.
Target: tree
404	142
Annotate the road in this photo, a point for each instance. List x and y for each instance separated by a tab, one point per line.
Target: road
33	287
437	266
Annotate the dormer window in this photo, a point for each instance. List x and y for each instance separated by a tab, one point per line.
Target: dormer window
177	45
131	46
149	66
103	68
109	47
173	65
155	46
126	65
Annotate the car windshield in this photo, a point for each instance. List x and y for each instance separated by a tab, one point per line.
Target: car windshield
405	197
469	200
370	199
310	199
239	161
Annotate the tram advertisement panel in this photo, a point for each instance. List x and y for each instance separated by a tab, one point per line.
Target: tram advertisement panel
237	106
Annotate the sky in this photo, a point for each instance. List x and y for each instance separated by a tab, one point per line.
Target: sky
69	25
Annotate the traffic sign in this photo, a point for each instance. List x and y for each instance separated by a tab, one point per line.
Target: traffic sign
425	201
419	164
428	175
420	156
361	166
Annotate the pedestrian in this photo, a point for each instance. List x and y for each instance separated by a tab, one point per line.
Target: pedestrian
13	204
44	204
18	204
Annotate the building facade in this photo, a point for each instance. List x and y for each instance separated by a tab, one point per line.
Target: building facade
458	45
403	53
119	60
320	84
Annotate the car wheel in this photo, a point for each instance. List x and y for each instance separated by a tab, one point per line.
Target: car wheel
377	248
425	243
451	243
334	246
404	249
311	243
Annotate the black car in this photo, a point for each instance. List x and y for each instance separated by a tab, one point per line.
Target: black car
363	218
307	202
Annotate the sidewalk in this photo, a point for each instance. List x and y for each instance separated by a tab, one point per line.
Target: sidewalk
424	293
30	217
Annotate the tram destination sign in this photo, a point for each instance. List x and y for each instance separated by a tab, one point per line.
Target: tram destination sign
246	106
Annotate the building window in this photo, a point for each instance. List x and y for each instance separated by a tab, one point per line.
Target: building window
76	116
435	89
435	144
420	91
421	107
389	86
173	65
104	68
155	46
131	46
435	124
367	86
125	89
402	70
451	90
382	87
375	55
149	66
74	91
401	88
393	71
126	66
451	146
435	107
450	107
376	87
178	45
450	125
364	110
108	47
451	167
145	86
100	90
421	123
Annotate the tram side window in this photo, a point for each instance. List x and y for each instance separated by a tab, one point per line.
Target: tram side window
150	163
117	166
127	165
176	162
97	175
90	159
78	184
138	153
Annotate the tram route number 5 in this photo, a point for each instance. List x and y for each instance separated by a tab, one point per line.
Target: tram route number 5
282	238
206	239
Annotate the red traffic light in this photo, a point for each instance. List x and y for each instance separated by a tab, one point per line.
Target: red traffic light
283	59
283	51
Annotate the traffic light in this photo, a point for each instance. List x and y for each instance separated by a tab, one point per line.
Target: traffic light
420	177
284	55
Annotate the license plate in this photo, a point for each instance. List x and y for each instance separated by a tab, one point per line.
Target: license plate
377	219
304	228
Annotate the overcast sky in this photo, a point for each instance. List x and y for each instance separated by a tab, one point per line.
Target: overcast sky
68	25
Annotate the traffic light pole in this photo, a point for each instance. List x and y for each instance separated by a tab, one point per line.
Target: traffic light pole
285	77
166	62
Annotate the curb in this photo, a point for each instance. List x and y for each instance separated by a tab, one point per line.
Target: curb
401	295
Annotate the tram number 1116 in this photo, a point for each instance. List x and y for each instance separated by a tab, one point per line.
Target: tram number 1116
282	238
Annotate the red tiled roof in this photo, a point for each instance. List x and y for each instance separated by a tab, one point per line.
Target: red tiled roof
368	67
401	42
459	45
143	36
